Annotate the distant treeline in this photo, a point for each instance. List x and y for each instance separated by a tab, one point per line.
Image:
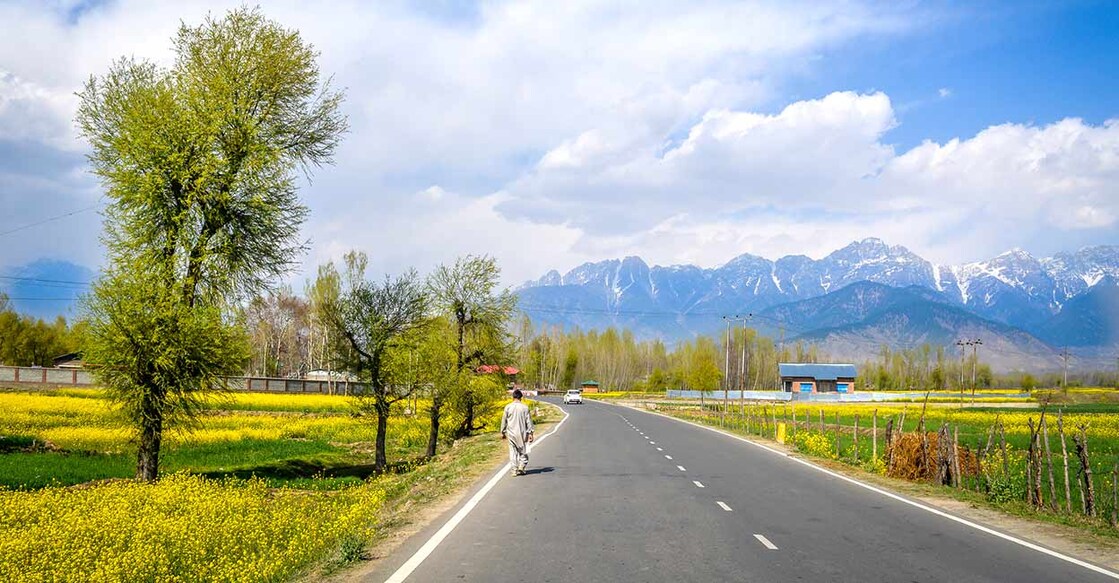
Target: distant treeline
27	341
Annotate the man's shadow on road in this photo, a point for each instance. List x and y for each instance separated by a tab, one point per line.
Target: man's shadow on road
532	471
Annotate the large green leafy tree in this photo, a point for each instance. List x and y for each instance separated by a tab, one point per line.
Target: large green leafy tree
377	322
200	162
467	294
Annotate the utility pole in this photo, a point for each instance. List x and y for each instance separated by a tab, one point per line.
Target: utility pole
961	344
1065	355
974	364
726	376
742	369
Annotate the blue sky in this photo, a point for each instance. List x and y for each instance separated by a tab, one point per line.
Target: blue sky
1003	62
549	134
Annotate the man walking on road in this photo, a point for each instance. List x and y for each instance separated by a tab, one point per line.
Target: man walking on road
516	426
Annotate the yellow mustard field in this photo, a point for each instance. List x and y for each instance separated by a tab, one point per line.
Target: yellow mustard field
1099	425
183	528
186	526
88	423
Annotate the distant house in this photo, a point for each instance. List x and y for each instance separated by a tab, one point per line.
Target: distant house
817	378
329	375
509	371
589	386
69	360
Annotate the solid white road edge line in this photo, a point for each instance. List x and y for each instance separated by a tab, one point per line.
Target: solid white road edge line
765	542
697	484
416	559
902	499
723	505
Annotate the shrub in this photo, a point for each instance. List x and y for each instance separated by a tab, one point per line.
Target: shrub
814	444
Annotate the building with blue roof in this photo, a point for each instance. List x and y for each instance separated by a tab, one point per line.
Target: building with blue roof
817	378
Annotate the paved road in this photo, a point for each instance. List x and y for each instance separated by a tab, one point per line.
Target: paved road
615	495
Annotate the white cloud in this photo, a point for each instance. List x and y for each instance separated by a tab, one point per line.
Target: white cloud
820	173
30	112
549	133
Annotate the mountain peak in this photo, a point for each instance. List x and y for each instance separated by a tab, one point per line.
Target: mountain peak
1016	253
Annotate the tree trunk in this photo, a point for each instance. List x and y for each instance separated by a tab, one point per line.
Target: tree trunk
433	434
151	437
380	462
467	426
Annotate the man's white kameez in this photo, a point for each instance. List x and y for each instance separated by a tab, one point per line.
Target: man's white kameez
516	424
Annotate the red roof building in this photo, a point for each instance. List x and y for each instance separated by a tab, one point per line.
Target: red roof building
497	369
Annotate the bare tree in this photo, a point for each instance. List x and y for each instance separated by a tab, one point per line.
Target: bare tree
374	319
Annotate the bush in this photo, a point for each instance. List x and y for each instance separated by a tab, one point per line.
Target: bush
1005	489
814	444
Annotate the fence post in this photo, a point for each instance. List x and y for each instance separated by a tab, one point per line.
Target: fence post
838	452
855	433
874	436
822	432
956	456
889	442
1049	463
1085	472
1064	459
1115	496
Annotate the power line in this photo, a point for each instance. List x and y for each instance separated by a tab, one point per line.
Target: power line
38	280
69	299
51	219
648	313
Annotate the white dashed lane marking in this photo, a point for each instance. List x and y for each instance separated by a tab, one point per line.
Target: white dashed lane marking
681	468
697	484
723	505
766	542
667	457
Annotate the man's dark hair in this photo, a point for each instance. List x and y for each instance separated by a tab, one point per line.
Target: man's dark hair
517	394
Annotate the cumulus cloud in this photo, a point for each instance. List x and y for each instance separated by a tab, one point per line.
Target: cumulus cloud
820	173
550	133
464	100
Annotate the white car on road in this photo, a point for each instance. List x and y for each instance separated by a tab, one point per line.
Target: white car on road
573	397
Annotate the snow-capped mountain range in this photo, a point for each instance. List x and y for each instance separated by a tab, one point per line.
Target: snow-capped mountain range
1014	288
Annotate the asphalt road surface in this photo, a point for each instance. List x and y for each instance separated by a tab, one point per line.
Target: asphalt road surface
623	495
